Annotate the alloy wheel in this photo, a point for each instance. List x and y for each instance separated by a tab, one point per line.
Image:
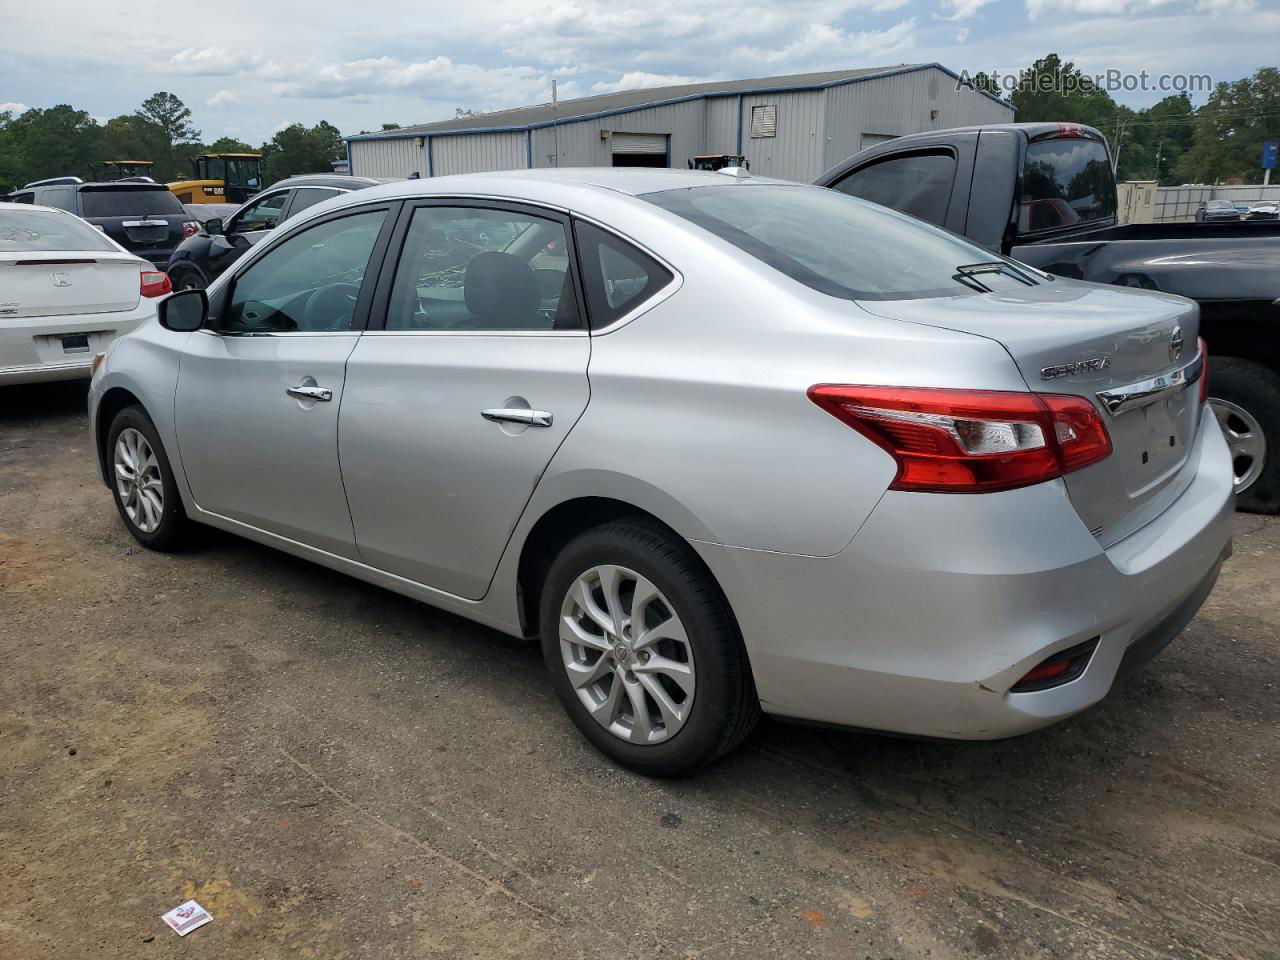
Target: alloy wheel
138	481
627	654
1245	440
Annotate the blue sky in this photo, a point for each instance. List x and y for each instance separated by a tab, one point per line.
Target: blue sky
247	69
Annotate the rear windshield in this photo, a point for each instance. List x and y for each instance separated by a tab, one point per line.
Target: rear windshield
1066	183
836	244
23	230
128	202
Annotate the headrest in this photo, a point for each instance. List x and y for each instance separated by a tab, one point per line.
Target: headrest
502	288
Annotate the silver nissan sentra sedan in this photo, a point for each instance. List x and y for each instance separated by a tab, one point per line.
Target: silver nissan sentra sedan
725	444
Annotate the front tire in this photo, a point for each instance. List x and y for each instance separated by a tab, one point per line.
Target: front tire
142	482
1245	398
643	650
187	279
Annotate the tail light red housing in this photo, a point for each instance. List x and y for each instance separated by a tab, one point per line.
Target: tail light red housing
190	228
154	283
971	441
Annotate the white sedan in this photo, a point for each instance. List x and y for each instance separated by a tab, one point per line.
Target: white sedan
66	291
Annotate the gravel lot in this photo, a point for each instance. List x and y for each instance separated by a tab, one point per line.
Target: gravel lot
334	771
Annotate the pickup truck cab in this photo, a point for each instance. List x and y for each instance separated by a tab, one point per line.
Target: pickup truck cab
1044	194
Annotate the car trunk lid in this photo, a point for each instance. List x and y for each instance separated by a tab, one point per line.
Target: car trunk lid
1133	354
56	283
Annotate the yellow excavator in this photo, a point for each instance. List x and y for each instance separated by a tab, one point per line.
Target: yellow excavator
221	178
113	170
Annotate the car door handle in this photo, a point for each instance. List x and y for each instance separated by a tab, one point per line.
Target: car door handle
531	418
310	393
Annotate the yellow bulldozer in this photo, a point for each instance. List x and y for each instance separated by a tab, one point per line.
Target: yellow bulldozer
221	178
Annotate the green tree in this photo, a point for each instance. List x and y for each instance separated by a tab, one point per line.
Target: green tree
1231	127
130	137
297	149
58	142
171	115
1055	91
229	145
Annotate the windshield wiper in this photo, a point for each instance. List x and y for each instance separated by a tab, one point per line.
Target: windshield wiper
968	274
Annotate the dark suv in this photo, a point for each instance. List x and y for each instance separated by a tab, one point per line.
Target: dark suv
218	243
144	218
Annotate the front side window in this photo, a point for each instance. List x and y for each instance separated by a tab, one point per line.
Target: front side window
833	243
1066	182
262	214
472	268
616	276
307	283
918	184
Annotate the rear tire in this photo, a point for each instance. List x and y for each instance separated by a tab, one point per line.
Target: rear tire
1245	397
142	482
187	279
695	691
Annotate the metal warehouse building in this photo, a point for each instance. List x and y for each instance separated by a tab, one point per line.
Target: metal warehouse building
791	127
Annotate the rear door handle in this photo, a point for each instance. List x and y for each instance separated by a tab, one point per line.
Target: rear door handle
531	418
310	393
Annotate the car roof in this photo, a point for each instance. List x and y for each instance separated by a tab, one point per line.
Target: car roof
337	180
37	207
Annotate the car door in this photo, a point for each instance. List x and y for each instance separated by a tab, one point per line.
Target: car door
259	393
473	371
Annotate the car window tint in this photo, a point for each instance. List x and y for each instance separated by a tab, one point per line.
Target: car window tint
127	201
22	230
468	268
918	184
616	276
262	214
1064	183
836	244
305	197
308	282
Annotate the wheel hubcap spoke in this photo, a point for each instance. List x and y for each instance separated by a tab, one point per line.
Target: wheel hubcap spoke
1245	440
627	655
138	482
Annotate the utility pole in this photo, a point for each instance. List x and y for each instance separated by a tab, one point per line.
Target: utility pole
1115	159
1159	153
555	127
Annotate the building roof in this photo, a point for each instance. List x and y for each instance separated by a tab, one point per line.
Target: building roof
626	101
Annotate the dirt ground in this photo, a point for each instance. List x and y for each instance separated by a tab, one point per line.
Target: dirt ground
334	771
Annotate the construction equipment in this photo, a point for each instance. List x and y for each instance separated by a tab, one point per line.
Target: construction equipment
221	178
718	161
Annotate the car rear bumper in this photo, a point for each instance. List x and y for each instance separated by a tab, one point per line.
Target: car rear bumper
32	349
940	604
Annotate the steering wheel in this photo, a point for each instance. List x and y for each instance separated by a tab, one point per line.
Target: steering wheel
330	307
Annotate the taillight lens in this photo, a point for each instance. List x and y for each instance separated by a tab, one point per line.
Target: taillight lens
1204	370
971	441
155	283
190	228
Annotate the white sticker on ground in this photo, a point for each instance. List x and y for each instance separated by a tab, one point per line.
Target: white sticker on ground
185	918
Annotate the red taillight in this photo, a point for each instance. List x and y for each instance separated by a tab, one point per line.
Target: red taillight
971	441
1204	370
190	228
155	283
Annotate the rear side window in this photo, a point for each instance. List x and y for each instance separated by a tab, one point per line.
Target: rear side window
125	202
1065	183
838	245
918	184
305	197
616	276
23	230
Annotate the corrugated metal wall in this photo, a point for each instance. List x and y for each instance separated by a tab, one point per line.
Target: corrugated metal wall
477	152
816	129
898	105
387	158
796	152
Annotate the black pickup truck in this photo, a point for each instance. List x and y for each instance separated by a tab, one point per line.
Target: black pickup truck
1044	194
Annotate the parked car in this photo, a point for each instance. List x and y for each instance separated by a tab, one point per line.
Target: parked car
220	243
144	218
725	444
1217	210
1044	194
1266	210
66	291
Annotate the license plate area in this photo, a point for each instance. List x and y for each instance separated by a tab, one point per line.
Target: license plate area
1152	440
76	343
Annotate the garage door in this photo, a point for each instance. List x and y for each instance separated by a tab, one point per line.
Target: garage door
871	139
640	143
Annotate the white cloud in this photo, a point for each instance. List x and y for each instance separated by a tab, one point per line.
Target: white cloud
214	61
222	98
13	107
638	80
962	35
1037	8
823	45
964	9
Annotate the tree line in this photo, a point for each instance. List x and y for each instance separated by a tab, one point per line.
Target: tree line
1170	141
63	141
